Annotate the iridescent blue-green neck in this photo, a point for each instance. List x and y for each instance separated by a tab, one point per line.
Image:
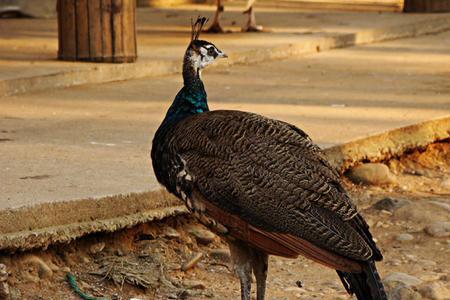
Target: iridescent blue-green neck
191	99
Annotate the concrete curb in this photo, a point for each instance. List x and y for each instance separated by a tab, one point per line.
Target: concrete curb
42	225
102	73
43	237
50	223
433	26
389	144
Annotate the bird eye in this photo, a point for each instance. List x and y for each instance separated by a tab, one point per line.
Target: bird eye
211	51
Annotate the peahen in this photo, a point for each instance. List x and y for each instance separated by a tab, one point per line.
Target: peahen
250	26
261	184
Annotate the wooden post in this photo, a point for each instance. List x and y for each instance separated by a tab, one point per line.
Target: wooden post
97	30
427	6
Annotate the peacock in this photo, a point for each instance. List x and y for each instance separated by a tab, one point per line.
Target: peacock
261	184
250	26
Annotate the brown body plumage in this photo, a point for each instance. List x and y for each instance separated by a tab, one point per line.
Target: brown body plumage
265	187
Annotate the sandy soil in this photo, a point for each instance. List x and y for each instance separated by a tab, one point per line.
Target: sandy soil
154	255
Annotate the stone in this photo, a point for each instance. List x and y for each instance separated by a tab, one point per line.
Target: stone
43	270
401	286
415	214
403	293
372	174
97	247
53	266
435	291
430	277
4	287
194	284
443	205
171	233
411	257
438	229
3	273
402	278
394	262
427	262
122	251
203	236
222	255
403	237
389	204
4	290
192	262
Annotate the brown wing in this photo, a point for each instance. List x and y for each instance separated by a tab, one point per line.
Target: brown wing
274	178
279	244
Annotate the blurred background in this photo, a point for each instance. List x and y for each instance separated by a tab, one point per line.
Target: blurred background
84	84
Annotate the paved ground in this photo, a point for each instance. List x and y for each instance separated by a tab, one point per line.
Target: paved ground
28	46
93	141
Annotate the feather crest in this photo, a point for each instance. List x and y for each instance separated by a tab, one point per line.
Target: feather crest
197	27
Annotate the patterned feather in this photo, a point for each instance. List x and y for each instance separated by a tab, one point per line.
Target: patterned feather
265	171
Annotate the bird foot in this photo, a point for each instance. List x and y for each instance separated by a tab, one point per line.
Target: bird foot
252	28
216	28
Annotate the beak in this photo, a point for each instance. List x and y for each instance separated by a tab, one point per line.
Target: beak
223	55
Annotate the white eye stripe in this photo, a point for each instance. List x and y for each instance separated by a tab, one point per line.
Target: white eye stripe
209	50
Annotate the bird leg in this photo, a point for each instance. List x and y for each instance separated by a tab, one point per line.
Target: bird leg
260	265
251	22
241	256
215	26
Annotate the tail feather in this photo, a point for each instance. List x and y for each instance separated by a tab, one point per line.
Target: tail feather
366	285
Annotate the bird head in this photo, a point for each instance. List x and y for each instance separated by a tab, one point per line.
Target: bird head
201	53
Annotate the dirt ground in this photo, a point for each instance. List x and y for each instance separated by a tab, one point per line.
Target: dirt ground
177	259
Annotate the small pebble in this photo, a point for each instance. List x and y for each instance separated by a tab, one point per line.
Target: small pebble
402	278
427	262
403	293
443	205
222	255
43	269
435	291
3	273
203	236
430	277
171	233
438	229
97	248
403	237
389	204
192	262
4	290
194	284
372	174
